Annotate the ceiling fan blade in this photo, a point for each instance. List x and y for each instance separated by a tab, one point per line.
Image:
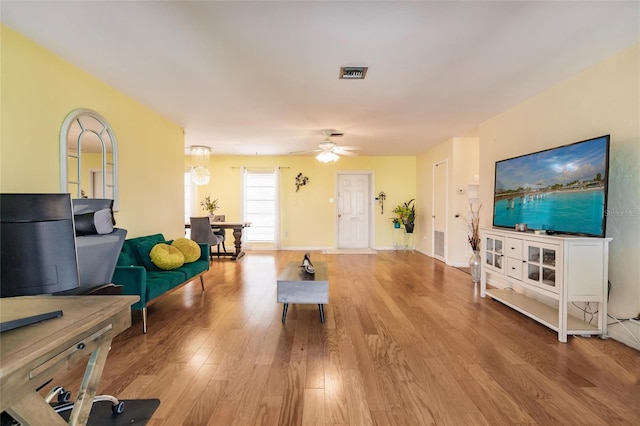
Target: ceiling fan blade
310	151
350	148
340	151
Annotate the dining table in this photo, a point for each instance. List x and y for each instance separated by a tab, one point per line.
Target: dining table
237	228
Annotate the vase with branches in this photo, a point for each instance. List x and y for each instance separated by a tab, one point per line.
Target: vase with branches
475	262
474	227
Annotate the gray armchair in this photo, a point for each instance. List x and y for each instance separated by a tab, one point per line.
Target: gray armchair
97	253
202	233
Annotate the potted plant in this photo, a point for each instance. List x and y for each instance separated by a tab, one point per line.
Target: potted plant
396	222
407	214
209	205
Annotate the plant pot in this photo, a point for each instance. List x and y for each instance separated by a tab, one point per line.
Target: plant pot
396	225
409	227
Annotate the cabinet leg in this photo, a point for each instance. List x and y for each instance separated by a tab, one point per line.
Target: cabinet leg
321	308
285	308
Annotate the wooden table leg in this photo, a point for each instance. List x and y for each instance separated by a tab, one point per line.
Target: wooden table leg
237	240
89	385
33	410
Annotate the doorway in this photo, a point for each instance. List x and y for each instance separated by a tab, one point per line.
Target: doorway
354	210
100	188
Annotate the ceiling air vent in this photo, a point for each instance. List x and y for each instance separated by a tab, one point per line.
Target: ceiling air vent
353	73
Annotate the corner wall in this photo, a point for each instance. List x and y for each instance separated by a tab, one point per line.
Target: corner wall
39	89
604	99
462	156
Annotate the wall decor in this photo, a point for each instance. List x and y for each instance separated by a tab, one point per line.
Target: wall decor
301	181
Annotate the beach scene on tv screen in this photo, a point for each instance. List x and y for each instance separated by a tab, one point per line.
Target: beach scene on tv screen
561	190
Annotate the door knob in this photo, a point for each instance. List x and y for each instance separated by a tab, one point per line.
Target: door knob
339	215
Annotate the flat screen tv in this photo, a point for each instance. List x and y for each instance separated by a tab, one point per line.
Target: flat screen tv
560	190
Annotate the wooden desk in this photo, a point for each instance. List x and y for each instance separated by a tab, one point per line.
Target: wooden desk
33	354
296	286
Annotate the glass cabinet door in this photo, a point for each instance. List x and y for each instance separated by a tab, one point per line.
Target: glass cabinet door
493	252
541	266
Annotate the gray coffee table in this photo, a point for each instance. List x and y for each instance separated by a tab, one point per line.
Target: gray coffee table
296	286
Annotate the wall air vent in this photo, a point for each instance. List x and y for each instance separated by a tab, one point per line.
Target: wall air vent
353	73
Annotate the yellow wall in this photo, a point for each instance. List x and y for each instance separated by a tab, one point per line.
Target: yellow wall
39	89
604	99
307	218
461	155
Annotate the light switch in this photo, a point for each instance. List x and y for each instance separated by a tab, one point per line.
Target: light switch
331	200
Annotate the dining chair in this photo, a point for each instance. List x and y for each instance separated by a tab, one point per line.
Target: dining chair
220	231
202	233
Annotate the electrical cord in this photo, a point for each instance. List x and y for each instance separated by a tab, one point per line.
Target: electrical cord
621	320
618	321
586	311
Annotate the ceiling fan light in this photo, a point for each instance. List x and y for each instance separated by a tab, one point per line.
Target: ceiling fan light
327	156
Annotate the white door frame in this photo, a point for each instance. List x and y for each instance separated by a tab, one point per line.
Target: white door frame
370	222
446	209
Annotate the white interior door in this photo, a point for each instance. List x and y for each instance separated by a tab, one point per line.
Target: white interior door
439	217
353	210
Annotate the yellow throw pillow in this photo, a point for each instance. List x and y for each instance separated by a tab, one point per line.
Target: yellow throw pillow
166	257
189	248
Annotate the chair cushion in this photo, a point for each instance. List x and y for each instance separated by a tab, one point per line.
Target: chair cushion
189	248
103	221
166	257
144	250
125	259
93	223
194	268
159	282
92	205
84	224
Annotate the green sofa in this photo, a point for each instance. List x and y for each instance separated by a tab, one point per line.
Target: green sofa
139	276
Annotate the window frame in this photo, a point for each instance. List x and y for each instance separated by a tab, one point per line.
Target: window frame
275	172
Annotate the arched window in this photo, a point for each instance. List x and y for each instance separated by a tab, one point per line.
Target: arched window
88	156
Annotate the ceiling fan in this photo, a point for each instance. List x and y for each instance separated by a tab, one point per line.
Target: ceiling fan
330	151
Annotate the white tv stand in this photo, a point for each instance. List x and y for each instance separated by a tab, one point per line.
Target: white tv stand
541	275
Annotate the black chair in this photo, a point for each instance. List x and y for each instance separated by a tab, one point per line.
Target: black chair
39	255
202	233
220	231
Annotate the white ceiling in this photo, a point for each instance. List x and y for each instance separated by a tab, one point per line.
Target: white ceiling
262	77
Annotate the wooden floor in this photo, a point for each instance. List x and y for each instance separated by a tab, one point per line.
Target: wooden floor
407	341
